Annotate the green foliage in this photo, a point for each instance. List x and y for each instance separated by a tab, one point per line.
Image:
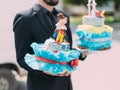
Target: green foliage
116	1
78	19
78	2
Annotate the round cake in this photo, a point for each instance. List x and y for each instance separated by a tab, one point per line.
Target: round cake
54	55
93	34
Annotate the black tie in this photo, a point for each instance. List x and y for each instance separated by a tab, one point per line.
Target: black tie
53	19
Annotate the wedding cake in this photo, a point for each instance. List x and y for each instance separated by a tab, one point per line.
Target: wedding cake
54	55
93	34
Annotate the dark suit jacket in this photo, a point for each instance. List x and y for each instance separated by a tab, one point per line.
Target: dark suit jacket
32	26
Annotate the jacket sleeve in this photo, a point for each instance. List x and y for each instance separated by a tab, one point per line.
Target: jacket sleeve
81	57
23	39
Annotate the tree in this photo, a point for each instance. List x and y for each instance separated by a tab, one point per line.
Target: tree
99	2
79	2
117	4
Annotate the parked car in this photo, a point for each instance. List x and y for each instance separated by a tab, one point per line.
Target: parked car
8	72
9	67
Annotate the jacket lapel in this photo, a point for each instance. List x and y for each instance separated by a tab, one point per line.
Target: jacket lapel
43	19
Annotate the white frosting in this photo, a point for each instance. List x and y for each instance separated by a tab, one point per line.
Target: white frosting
54	46
92	18
58	47
51	45
48	41
86	20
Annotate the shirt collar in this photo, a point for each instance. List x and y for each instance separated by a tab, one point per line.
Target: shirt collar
45	11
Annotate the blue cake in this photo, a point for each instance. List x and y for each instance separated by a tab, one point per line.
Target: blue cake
54	55
93	34
94	38
57	57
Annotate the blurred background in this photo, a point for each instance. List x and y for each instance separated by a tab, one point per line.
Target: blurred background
100	71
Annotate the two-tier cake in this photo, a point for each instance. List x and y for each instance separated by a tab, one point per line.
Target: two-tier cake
93	33
54	55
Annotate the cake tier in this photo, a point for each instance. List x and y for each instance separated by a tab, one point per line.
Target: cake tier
94	38
47	67
95	29
52	45
86	20
60	58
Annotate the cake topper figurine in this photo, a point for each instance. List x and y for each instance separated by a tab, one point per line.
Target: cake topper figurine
92	12
60	31
91	8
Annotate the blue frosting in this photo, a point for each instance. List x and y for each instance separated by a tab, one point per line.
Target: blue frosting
86	39
61	56
51	68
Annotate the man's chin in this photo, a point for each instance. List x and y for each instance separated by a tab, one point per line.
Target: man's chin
51	2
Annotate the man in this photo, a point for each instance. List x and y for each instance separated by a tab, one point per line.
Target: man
36	25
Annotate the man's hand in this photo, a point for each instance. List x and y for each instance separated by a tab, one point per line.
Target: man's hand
84	53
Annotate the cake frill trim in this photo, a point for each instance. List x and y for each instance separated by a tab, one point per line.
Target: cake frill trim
95	29
48	67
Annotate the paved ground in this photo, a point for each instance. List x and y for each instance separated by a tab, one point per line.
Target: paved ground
100	71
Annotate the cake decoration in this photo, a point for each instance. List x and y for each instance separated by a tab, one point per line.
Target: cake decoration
54	55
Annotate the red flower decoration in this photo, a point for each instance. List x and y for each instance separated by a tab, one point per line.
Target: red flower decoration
98	13
74	63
